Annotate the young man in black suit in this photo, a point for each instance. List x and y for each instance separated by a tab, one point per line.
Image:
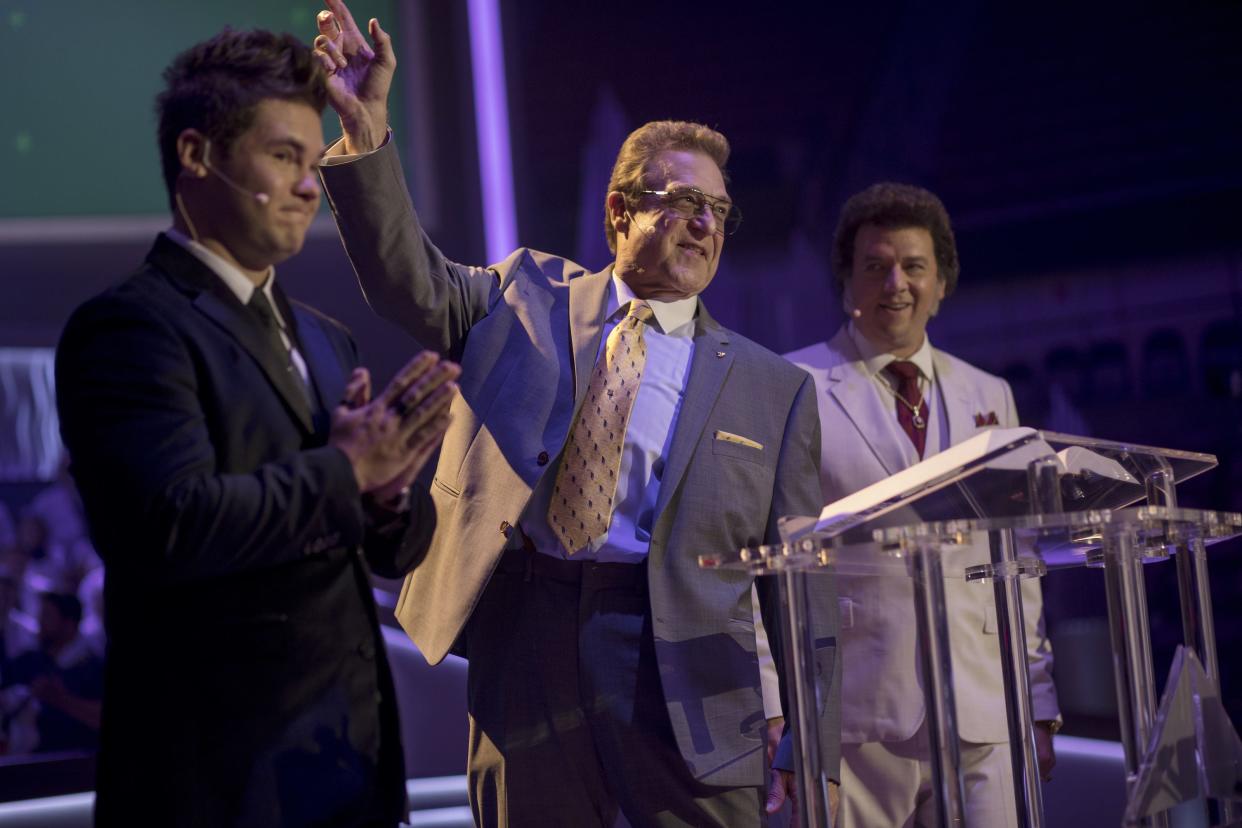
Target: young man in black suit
238	506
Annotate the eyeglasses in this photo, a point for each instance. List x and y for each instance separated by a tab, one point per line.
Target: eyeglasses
688	202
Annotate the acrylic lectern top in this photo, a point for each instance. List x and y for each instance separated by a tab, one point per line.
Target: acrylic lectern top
987	482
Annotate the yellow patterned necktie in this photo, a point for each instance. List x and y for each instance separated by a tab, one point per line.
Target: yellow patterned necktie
586	482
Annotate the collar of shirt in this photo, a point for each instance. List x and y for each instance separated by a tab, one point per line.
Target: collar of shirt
335	153
877	360
236	281
674	318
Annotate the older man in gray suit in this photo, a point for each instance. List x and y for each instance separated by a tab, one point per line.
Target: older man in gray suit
891	400
609	432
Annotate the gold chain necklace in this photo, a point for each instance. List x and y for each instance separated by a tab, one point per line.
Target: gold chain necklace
918	421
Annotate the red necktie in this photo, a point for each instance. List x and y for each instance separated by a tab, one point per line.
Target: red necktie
911	407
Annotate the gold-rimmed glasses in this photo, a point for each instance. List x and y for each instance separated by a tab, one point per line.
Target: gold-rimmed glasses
690	202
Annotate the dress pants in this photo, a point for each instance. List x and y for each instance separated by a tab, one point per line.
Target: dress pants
568	725
888	784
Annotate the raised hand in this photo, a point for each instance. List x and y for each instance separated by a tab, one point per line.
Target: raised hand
359	75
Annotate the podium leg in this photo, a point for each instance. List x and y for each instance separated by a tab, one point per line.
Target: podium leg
1199	630
804	698
1016	678
1194	596
933	638
1131	645
1196	599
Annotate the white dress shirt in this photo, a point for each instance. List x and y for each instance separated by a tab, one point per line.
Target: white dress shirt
241	287
670	346
875	360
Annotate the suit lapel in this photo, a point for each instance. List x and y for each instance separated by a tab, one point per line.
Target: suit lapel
709	366
233	320
587	298
322	363
957	400
215	301
853	390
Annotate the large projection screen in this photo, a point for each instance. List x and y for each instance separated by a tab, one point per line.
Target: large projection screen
77	124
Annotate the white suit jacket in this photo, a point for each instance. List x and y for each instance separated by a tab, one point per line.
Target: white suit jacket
882	692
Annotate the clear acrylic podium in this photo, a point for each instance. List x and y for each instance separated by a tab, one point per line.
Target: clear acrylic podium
1043	501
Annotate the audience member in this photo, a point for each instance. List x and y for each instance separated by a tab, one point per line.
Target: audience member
64	677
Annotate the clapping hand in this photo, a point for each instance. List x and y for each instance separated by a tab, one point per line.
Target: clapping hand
388	440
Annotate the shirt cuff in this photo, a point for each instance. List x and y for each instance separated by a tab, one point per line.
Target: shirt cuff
335	153
769	680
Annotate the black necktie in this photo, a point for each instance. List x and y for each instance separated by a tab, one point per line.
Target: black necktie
262	309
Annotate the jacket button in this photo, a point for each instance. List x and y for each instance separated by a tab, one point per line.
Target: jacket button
505	528
542	459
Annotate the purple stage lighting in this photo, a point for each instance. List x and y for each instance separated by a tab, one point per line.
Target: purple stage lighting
491	116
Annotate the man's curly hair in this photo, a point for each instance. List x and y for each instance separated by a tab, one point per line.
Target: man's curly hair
894	207
215	86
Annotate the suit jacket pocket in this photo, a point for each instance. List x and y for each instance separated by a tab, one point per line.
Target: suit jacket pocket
445	488
725	448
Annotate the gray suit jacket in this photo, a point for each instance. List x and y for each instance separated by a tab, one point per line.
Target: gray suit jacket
883	685
526	332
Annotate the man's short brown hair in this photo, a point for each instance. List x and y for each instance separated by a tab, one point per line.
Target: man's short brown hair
629	173
215	87
894	207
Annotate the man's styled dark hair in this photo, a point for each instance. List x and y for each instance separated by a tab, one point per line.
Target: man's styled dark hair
215	86
894	207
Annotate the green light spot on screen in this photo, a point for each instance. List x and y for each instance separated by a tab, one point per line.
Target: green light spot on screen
300	16
17	19
23	143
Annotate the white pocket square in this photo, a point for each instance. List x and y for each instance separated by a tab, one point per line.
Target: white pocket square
738	439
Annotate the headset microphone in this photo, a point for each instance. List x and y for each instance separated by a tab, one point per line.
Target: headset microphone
847	305
647	229
262	198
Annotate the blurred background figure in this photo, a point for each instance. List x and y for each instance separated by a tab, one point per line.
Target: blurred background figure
62	680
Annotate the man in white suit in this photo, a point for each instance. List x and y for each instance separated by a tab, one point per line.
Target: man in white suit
887	399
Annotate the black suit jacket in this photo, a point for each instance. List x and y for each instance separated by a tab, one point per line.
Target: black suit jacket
246	682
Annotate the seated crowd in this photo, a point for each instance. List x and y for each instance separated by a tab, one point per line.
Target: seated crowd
52	646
